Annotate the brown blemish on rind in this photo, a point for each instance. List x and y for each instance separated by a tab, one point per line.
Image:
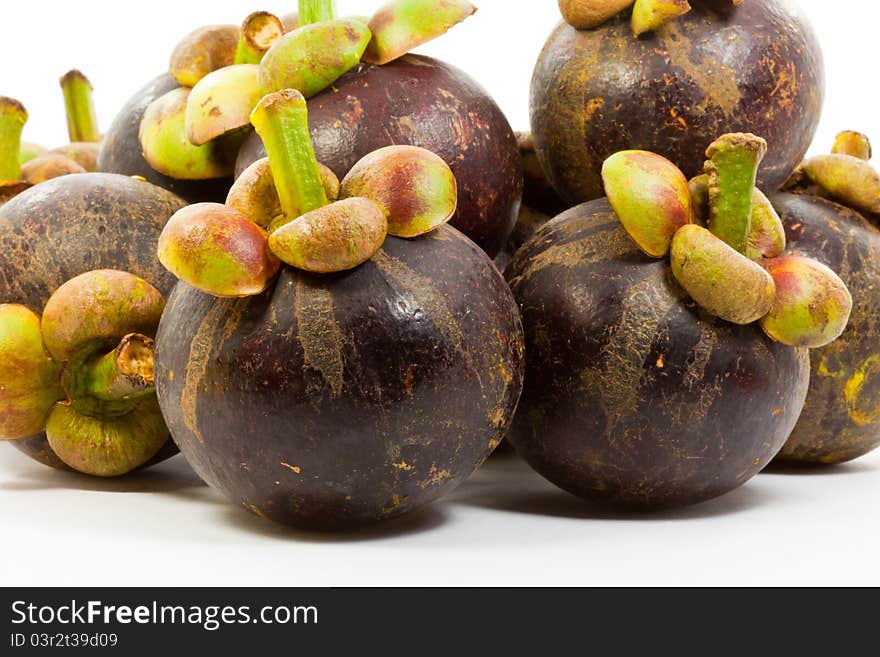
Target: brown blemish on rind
319	334
200	353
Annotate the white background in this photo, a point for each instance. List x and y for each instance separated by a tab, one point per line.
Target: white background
506	526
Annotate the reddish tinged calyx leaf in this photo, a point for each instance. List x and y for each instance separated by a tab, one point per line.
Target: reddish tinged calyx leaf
587	14
334	238
415	188
402	25
648	15
222	102
812	304
850	180
852	143
650	196
217	250
259	32
202	51
722	281
93	312
30	381
732	167
313	57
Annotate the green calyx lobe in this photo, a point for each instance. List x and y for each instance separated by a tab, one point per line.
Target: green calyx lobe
90	383
315	11
736	269
13	116
82	121
732	168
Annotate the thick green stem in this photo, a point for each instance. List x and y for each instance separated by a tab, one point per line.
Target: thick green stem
125	373
82	122
315	11
732	169
282	121
13	116
258	32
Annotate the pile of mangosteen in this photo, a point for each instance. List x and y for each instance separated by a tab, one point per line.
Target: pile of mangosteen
278	260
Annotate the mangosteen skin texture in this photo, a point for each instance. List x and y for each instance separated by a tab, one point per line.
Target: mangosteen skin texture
121	151
753	68
419	101
336	401
71	225
633	396
841	419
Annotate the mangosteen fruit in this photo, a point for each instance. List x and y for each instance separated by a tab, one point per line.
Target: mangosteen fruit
68	226
121	151
650	383
83	373
372	374
423	102
841	418
722	67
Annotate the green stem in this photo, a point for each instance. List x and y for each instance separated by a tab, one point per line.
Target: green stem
13	116
258	32
732	169
82	122
315	11
282	121
126	373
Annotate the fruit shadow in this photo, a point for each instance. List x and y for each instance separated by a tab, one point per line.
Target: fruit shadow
420	521
172	476
507	484
820	470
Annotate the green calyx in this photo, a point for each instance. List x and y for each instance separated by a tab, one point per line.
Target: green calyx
313	57
89	366
736	269
202	51
414	187
282	121
650	196
334	238
315	11
258	32
587	14
402	25
255	195
812	304
82	121
221	103
218	250
732	168
167	148
846	178
766	231
648	15
13	116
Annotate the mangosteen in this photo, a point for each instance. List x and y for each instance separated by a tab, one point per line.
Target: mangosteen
122	153
68	226
83	373
841	418
371	375
651	384
420	101
723	67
